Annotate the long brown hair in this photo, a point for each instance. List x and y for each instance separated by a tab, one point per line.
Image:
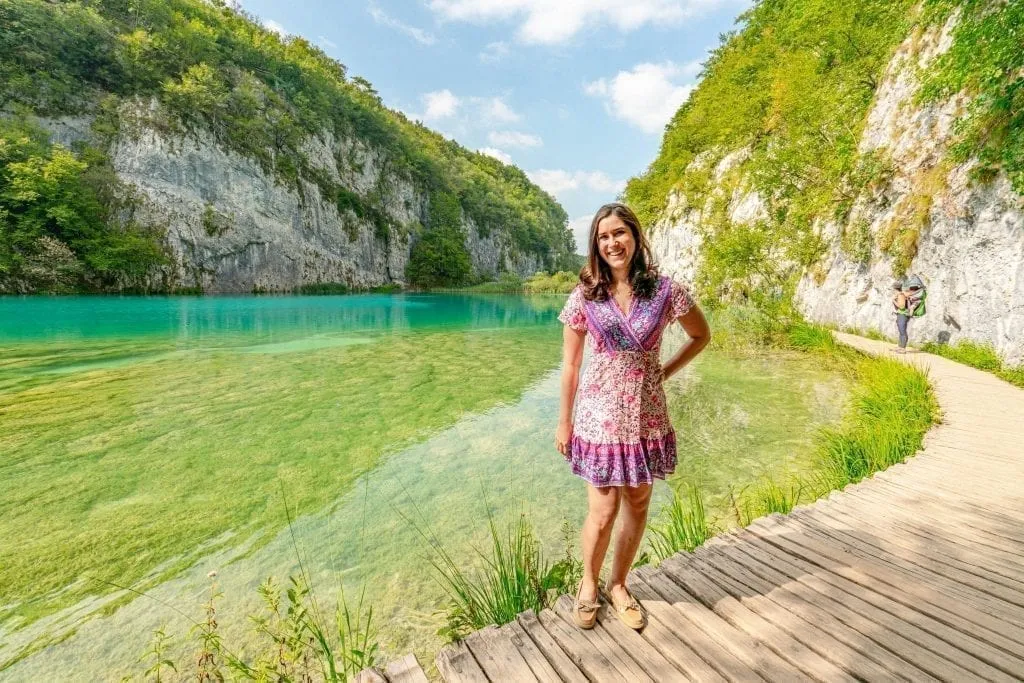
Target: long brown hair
596	275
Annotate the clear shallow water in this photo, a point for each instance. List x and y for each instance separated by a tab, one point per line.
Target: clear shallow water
388	413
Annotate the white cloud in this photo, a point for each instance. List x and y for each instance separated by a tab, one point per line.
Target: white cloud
327	42
551	21
494	52
580	227
503	157
647	96
512	138
384	19
440	104
495	109
558	181
272	25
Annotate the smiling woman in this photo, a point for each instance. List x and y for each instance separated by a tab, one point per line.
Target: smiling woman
613	426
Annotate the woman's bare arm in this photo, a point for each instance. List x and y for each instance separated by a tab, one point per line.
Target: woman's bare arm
696	327
572	358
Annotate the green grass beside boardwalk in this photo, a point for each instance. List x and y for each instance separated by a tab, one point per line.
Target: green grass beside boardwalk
980	356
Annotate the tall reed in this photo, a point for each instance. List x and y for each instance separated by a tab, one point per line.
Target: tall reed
683	525
513	577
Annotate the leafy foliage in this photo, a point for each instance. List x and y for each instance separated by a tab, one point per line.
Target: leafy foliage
790	88
439	257
985	61
260	95
57	231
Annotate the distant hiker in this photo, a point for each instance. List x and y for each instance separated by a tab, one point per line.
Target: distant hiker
619	438
908	302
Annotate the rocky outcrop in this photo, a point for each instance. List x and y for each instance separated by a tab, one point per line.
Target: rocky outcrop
969	235
232	226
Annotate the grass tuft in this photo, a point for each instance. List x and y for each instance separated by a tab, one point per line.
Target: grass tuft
513	577
684	526
765	498
892	408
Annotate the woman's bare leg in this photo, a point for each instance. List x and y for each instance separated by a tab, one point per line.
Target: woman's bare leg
635	502
602	506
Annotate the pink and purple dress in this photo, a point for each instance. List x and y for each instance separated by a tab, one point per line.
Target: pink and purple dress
621	432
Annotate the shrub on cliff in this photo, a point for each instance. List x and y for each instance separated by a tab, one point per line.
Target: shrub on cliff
56	229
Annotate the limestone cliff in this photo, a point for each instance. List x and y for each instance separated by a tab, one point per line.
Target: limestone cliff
964	237
232	227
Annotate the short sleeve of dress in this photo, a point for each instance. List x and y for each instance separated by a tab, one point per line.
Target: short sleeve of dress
680	300
572	313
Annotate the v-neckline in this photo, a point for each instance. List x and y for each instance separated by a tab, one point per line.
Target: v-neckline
615	305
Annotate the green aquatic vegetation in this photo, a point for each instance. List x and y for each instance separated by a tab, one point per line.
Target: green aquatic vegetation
765	498
129	473
683	525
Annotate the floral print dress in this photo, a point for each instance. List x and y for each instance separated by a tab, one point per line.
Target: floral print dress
621	432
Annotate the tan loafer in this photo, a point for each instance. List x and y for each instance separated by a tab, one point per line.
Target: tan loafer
584	612
631	613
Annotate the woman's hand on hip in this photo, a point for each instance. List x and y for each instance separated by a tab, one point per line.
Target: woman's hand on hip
563	435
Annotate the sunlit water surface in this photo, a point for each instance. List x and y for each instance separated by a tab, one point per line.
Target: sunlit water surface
147	442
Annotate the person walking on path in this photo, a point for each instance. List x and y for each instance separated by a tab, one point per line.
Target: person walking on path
613	425
908	302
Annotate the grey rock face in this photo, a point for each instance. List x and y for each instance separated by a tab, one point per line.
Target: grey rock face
970	251
233	227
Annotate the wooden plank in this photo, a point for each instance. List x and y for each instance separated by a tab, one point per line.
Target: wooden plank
694	652
497	656
823	531
919	522
456	664
405	670
946	578
809	621
370	676
895	547
588	657
981	508
741	616
752	652
896	586
614	650
559	660
650	659
978	548
1003	540
542	669
942	641
831	615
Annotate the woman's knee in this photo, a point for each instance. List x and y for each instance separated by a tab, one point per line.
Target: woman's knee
603	508
637	498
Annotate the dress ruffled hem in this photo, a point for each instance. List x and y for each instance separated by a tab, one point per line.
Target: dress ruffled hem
623	464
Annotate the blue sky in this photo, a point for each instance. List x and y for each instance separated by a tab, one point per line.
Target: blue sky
574	92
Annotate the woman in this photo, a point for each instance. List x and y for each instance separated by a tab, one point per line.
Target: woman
621	438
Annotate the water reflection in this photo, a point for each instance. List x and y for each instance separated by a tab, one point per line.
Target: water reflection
190	319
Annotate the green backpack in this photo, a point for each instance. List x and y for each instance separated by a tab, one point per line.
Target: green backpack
916	301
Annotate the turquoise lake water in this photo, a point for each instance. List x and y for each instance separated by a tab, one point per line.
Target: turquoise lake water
148	441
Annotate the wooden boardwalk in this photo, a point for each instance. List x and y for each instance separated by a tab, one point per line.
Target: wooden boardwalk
916	573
